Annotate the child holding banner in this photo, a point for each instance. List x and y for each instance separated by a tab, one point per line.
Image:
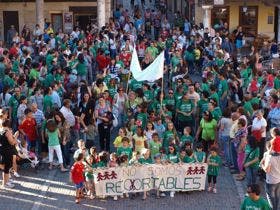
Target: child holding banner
214	162
199	155
146	159
172	157
125	149
139	140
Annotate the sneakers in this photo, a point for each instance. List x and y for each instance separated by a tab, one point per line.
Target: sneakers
209	189
214	190
115	198
172	194
45	160
16	174
91	197
9	185
162	194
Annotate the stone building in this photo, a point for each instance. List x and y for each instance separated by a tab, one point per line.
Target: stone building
256	16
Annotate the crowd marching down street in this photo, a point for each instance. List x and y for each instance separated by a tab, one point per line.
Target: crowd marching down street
146	91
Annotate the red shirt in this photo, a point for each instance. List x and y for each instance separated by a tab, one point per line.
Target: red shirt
28	125
276	144
125	57
77	173
102	62
270	81
254	86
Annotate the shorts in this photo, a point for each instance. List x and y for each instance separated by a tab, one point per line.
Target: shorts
79	185
239	44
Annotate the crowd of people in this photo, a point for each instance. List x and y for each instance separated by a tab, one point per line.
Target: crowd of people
65	93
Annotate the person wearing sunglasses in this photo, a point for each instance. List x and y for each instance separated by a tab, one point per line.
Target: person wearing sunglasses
254	200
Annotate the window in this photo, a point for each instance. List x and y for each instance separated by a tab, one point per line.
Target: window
248	19
220	15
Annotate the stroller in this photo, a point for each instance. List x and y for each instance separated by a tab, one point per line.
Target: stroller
26	157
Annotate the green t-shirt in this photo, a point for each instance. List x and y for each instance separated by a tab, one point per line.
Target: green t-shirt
15	67
143	117
188	159
169	100
48	80
185	106
245	76
223	87
202	104
125	151
205	87
134	84
185	139
251	154
47	103
14	103
200	156
214	170
166	137
154	147
175	61
2	70
255	100
248	107
49	60
81	69
173	158
145	161
53	139
216	97
260	204
208	129
8	81
34	74
148	95
276	83
217	113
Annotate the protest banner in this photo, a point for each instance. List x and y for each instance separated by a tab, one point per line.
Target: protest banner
171	177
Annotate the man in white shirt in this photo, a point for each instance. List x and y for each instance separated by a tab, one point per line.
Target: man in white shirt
67	113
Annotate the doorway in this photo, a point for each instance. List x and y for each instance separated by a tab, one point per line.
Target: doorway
10	18
248	19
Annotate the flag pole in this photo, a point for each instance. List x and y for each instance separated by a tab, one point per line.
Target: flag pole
161	94
128	78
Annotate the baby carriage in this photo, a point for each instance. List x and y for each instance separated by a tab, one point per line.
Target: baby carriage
25	157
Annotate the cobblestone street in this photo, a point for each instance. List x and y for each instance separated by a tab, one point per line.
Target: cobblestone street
52	190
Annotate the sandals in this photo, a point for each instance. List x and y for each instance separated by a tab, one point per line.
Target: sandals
77	201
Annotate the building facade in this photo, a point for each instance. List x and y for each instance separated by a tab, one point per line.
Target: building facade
62	14
255	16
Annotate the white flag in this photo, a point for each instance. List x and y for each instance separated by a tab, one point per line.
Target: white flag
153	72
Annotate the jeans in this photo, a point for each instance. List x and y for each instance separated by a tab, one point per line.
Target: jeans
225	141
251	175
223	103
234	155
273	195
65	153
